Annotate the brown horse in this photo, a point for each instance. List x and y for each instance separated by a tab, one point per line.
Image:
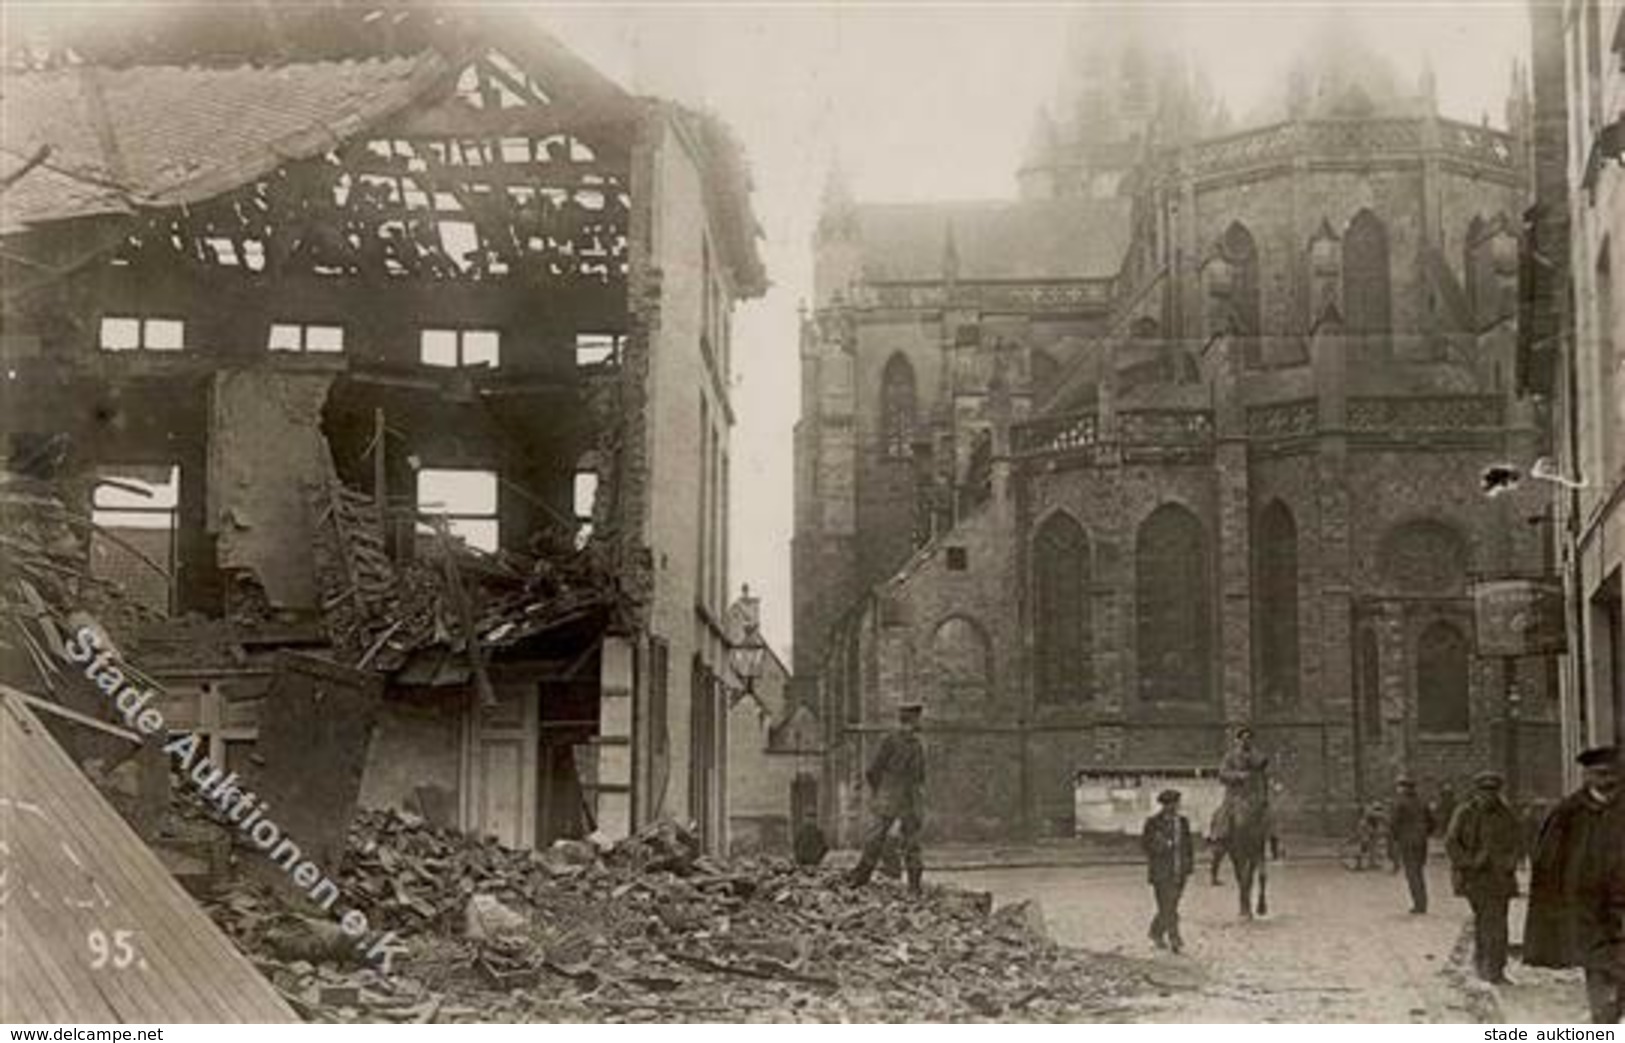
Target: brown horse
1246	842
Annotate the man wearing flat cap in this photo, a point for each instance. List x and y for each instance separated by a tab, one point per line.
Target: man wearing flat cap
1170	857
1484	846
896	779
1577	889
1408	830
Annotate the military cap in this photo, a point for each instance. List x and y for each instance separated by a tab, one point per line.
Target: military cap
1244	732
1488	780
1598	756
1405	782
1168	796
905	709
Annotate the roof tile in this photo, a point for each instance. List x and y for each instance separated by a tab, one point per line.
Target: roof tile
175	134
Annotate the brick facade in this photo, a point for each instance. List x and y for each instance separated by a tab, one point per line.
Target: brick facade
1372	442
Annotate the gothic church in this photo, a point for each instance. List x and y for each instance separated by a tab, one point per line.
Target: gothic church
1187	435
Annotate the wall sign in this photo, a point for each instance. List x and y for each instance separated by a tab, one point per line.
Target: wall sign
1519	617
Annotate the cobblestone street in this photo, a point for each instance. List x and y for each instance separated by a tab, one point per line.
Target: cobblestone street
1337	945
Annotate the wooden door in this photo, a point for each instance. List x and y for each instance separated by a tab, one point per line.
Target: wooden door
502	787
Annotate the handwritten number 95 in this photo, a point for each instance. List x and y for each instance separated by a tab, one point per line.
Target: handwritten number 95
111	948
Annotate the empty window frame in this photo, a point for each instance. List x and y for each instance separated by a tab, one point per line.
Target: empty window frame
131	333
454	348
136	509
466	498
310	338
583	501
599	349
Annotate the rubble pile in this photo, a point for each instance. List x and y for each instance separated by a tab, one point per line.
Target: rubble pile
44	578
651	929
380	611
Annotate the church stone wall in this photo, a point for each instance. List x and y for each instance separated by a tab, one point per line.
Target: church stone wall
1293	419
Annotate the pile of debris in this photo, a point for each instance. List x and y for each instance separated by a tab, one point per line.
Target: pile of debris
651	929
378	612
44	578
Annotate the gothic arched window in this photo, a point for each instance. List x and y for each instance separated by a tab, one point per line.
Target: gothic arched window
1442	680
1062	662
1367	304
1325	274
897	407
1174	624
1242	253
1490	270
1275	551
852	668
1476	270
1370	682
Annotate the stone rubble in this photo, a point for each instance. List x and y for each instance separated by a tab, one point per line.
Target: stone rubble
651	929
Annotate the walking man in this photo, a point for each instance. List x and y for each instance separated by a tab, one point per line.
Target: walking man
1577	887
1482	843
1170	857
896	779
1408	832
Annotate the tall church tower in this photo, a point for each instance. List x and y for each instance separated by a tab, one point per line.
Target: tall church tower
1119	91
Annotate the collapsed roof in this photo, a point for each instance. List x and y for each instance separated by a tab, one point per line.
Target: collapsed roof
124	128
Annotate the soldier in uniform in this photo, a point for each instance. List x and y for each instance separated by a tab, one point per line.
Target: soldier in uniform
1577	890
896	778
1483	844
1170	857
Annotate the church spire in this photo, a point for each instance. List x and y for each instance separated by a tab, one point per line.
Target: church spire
838	213
1520	103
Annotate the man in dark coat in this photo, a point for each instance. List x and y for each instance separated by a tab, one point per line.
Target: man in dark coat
896	778
1444	809
1408	830
1483	843
1170	857
1577	889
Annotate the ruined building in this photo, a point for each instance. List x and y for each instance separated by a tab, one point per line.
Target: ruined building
1575	351
401	338
1188	435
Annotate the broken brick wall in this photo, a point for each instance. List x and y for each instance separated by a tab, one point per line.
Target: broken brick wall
266	452
414	762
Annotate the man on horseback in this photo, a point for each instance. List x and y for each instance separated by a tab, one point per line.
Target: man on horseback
1242	825
1244	772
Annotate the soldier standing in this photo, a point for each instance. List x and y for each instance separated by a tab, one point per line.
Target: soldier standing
1408	832
1170	858
1577	889
1483	843
896	778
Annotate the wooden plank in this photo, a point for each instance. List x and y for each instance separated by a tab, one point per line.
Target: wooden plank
192	973
171	952
170	948
58	710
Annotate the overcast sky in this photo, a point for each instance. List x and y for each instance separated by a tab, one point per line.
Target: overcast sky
935	101
930	101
